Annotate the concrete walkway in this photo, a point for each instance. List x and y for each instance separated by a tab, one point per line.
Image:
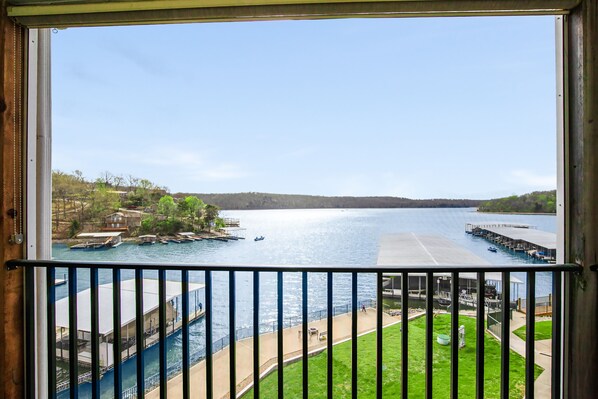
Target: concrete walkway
542	356
292	344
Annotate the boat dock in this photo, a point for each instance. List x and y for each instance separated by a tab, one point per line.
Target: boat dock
410	249
517	237
106	328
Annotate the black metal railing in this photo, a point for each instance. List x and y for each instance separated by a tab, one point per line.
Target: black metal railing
330	271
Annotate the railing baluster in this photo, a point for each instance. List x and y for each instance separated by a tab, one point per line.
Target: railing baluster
429	334
256	335
379	331
162	332
73	353
29	297
530	332
505	335
480	334
329	336
95	334
304	335
232	302
454	335
280	354
354	335
556	335
116	327
208	316
140	325
185	332
51	330
139	333
404	335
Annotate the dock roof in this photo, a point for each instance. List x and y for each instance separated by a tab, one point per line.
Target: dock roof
150	303
540	238
99	234
410	249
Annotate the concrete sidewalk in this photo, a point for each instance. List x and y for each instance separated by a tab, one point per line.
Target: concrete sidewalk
292	344
542	356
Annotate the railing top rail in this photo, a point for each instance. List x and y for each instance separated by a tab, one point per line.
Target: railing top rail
567	267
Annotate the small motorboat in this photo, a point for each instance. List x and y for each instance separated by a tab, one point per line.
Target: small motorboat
260	238
492	249
148	239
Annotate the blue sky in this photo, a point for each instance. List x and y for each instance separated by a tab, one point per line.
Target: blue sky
419	108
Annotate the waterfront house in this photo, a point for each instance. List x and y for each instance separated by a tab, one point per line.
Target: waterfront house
123	220
115	222
27	328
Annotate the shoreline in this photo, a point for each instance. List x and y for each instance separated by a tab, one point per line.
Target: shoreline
519	213
135	239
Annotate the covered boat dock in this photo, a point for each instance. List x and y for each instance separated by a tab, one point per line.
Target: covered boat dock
519	238
411	249
106	327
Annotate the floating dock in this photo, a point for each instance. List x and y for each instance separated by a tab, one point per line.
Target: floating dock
518	237
410	249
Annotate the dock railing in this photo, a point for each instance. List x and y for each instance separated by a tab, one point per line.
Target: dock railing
330	271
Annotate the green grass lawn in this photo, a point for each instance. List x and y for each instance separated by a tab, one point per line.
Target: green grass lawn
543	331
392	366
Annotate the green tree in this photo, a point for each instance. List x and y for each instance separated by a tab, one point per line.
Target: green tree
103	201
191	207
210	213
148	225
167	207
74	228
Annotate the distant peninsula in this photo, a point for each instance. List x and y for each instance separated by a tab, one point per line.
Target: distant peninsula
256	201
535	202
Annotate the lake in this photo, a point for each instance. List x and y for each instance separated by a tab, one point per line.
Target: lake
302	237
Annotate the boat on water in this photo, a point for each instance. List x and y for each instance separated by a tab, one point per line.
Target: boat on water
492	249
260	238
188	236
147	239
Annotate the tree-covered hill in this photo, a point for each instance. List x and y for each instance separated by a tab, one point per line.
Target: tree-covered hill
80	204
536	202
289	201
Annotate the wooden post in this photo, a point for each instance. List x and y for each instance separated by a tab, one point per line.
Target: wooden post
12	349
581	195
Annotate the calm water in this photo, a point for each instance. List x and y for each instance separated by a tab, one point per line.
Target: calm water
304	237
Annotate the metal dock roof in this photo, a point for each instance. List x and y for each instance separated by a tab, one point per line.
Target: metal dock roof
540	238
409	249
100	234
150	303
